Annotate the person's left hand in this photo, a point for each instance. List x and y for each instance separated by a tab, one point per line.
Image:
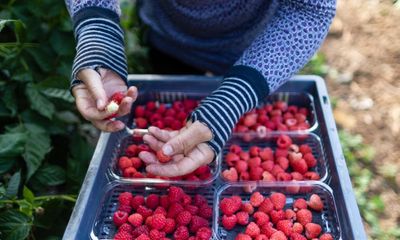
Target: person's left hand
186	146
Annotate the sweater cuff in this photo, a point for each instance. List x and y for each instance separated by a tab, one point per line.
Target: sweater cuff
100	42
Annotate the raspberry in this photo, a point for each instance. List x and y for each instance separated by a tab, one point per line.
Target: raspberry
131	150
162	157
155	234
231	159
125	208
129	172
304	216
276	216
279	152
242	236
183	218
297	228
267	154
204	233
145	212
141	122
230	175
196	223
137	201
266	206
199	200
125	228
152	201
160	210
283	162
283	141
158	221
120	218
310	160
283	176
193	210
304	149
235	149
252	230
181	233
228	206
164	201
268	177
143	237
254	162
299	166
242	218
261	237
299	203
256	199
241	166
297	236
278	200
205	169
247	207
174	209
124	162
244	176
315	203
135	219
250	120
278	235
276	169
175	194
290	214
285	226
229	222
125	198
245	156
312	230
326	236
140	230
136	162
311	176
261	218
268	230
206	211
169	226
186	199
296	176
256	173
143	148
267	165
123	236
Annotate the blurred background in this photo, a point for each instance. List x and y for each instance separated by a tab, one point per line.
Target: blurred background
45	146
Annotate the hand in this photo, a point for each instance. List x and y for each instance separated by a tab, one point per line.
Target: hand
92	97
186	146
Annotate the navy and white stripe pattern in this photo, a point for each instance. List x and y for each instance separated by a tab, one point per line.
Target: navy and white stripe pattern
100	43
223	108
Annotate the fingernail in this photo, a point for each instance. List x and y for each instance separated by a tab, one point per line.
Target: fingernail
99	104
167	149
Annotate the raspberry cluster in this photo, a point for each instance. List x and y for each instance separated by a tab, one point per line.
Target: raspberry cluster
288	162
164	116
277	116
271	218
131	166
175	215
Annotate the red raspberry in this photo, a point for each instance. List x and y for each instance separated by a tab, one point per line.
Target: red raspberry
235	149
143	237
125	198
256	199
247	207
297	236
181	233
139	111
297	228
158	221
285	226
155	234
140	230
205	169
241	166
206	211
237	201
136	162
250	120
254	162
231	159
297	176
278	235
196	223
244	176
204	233
242	236
326	236
267	229
186	199
129	172
276	216
135	219
310	160
228	206
174	209
284	141
164	201
245	156
125	228
266	206
183	218
152	201
242	218
268	177
252	230
261	218
280	152
256	173
277	169
141	123
137	201
199	200
261	237
304	149
125	208
290	214
120	218
283	176
299	203
145	212
229	222
283	162
132	150
312	230
304	216
143	148
192	209
311	176
175	194
124	162
278	200
230	175
169	226
160	210
123	236
267	165
267	154
315	203
162	157
299	166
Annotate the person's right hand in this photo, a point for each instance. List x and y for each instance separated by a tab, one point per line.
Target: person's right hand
92	97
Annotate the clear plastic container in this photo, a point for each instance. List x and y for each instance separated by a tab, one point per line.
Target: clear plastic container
328	218
104	228
270	141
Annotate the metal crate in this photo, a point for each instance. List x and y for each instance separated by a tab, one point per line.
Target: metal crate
91	200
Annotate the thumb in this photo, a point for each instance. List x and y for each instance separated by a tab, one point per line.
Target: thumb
92	79
188	139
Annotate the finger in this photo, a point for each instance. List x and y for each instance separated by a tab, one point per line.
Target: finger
125	106
109	126
184	166
132	92
92	80
148	158
84	103
153	142
162	135
197	133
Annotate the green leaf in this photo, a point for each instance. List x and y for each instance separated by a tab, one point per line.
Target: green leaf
28	194
6	164
42	57
12	144
50	175
10	100
58	93
25	207
13	185
3	23
38	102
14	225
62	43
36	147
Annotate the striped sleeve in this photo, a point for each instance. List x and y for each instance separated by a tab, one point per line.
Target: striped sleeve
100	42
240	91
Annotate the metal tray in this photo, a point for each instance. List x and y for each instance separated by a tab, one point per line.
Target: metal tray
97	178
